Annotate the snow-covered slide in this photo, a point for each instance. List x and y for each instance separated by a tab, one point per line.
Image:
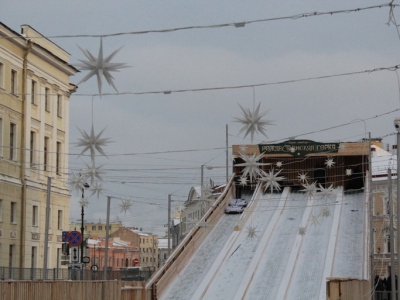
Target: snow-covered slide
228	270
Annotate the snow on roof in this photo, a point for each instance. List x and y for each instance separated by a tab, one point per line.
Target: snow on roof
380	166
163	243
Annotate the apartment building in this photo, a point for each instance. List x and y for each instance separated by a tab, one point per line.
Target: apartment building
34	121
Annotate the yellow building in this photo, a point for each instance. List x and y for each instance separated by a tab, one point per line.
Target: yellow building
34	122
96	229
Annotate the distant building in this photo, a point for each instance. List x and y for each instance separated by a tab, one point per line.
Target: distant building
34	137
96	229
146	242
381	162
162	251
121	254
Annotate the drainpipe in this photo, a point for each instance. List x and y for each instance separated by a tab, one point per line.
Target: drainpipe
23	153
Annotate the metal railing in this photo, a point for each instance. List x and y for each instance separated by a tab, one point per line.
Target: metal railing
36	274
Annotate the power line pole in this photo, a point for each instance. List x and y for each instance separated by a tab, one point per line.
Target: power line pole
398	213
227	155
169	224
391	238
107	235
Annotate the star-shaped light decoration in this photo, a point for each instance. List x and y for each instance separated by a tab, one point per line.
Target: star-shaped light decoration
326	212
303	177
125	206
251	165
329	162
271	180
83	202
326	193
93	142
93	172
96	189
292	149
100	66
315	220
243	181
279	164
349	172
243	148
252	122
302	231
251	231
77	182
310	189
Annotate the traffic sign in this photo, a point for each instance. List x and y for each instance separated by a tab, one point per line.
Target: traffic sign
64	236
94	268
75	254
74	238
136	261
86	259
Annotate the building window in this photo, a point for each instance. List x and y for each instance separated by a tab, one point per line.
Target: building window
13	139
46	153
13	82
100	227
35	215
33	92
32	148
11	256
47	99
93	227
60	219
34	257
58	159
59	106
13	215
1	75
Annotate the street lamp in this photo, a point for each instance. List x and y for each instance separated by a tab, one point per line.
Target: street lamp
397	126
85	185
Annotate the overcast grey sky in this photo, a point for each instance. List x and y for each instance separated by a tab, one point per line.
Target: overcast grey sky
260	52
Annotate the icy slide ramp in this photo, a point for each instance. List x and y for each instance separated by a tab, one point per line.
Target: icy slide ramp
285	248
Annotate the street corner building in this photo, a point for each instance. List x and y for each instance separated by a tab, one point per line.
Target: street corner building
34	137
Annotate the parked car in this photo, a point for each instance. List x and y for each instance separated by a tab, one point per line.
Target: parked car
232	209
238	202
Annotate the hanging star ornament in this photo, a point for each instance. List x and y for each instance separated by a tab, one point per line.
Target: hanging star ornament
251	232
125	206
243	181
279	164
100	66
251	165
271	180
329	162
253	122
77	182
94	172
302	231
314	220
310	189
326	212
93	142
326	193
96	189
349	172
83	202
303	177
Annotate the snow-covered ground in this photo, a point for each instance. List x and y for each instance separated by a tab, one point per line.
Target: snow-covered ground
298	242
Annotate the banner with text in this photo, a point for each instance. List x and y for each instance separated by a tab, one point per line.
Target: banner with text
299	148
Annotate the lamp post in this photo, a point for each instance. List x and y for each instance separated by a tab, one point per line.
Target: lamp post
86	185
397	126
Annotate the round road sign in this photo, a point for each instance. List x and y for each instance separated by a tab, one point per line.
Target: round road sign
136	261
74	238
